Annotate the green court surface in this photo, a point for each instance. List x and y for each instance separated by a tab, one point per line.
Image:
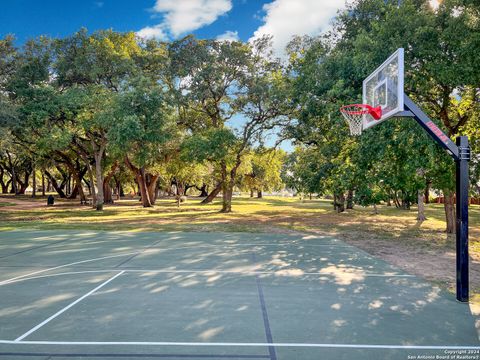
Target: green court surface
176	295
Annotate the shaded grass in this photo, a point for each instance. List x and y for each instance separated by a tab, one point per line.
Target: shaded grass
2	204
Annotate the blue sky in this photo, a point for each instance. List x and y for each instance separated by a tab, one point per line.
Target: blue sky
170	19
26	18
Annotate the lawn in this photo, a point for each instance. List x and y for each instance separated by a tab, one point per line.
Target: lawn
394	235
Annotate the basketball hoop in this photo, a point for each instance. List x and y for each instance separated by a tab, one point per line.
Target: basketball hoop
353	114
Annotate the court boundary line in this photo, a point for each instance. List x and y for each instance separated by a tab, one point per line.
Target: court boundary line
241	344
69	306
142	355
4	282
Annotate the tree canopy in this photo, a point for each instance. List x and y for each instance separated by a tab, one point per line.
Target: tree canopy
94	110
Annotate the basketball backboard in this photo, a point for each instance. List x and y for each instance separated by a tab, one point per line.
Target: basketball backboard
384	88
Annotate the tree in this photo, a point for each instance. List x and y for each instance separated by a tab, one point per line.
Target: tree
266	169
144	132
327	72
218	80
95	67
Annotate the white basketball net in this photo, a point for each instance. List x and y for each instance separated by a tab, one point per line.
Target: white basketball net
355	122
353	114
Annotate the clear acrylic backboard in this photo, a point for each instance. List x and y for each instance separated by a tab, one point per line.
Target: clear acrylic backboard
384	88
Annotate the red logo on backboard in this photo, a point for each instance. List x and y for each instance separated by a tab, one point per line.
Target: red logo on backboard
431	125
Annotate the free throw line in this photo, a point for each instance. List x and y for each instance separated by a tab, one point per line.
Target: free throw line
66	308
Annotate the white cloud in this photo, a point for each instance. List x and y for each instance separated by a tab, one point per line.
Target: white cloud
228	36
153	32
182	16
286	18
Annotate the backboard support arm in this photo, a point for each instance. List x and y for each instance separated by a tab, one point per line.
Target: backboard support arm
460	152
431	128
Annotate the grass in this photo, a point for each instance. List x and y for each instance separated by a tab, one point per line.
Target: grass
2	204
394	235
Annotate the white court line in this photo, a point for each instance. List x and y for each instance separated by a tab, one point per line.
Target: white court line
66	308
283	273
66	265
305	345
273	244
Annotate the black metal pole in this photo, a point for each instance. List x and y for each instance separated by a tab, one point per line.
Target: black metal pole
462	217
461	154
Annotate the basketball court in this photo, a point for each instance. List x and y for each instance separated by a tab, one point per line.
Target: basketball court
98	295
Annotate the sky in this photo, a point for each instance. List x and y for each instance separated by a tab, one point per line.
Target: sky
170	19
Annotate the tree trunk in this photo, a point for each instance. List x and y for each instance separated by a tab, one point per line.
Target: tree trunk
259	194
2	183
69	185
99	176
107	193
203	190
226	203
229	184
213	194
395	200
107	190
74	193
43	184
340	202
91	188
375	209
57	188
350	199
449	205
23	184
14	181
227	193
34	181
421	207
427	192
180	188
76	174
143	188
118	187
151	187
79	189
146	186
251	192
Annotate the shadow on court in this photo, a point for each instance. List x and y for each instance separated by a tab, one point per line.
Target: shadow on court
100	295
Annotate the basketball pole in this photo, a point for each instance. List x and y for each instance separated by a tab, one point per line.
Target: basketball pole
460	152
462	217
